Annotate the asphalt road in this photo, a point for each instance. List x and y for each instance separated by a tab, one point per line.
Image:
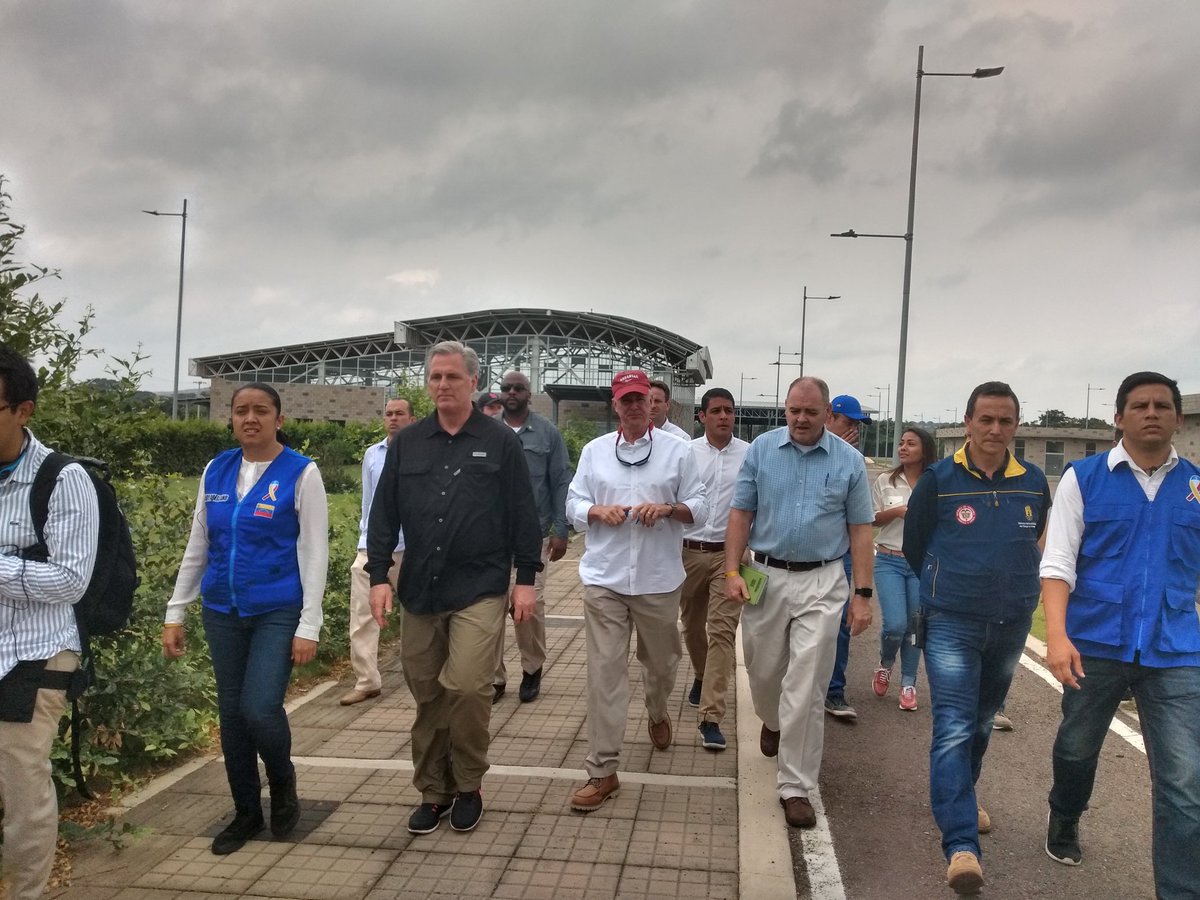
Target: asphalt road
875	790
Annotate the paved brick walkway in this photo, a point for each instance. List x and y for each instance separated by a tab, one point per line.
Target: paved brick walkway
673	831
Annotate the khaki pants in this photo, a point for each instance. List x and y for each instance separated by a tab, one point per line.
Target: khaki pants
710	624
531	634
364	633
790	639
609	620
30	804
447	662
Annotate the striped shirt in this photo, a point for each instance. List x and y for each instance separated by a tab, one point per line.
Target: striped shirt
37	616
372	465
803	498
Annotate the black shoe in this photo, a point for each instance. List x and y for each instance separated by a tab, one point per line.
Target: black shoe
531	686
426	817
245	825
497	693
694	693
285	807
468	807
1062	840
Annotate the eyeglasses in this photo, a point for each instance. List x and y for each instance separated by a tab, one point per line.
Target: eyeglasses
637	462
513	388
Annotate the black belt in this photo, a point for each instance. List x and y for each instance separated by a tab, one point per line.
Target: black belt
790	566
704	546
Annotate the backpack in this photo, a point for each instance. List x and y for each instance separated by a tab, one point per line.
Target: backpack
107	602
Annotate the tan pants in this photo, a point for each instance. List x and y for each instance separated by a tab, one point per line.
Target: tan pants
364	633
609	620
531	634
790	639
710	624
30	804
447	662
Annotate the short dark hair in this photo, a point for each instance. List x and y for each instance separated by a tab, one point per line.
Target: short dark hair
662	386
992	389
19	379
1137	379
404	400
712	393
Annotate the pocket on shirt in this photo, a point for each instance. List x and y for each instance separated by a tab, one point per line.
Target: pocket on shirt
1185	535
1107	530
1095	611
1179	624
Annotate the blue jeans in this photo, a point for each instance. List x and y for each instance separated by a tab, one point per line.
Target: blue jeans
970	664
252	659
1168	704
899	592
837	681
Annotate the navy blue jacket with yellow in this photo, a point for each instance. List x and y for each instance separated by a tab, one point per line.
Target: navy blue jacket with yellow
972	540
1138	568
252	565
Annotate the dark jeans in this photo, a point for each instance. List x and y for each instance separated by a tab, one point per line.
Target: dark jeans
1168	704
969	663
837	681
252	659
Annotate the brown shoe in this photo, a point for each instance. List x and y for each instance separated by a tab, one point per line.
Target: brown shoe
593	794
798	812
985	821
768	742
357	696
660	733
964	875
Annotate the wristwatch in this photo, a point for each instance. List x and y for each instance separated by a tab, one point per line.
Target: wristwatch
671	514
864	592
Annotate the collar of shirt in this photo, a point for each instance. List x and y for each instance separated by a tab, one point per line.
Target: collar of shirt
1119	454
823	442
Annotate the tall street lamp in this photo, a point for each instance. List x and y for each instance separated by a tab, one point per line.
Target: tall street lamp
1087	409
804	318
887	413
182	216
742	386
779	355
907	237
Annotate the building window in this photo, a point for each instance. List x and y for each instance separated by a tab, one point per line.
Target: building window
1054	458
1089	448
1019	447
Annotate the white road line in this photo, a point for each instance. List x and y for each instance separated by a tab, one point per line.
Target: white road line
824	875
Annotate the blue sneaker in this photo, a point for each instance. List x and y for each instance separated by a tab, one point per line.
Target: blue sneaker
693	697
711	737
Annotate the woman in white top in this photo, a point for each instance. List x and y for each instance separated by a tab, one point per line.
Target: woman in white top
897	584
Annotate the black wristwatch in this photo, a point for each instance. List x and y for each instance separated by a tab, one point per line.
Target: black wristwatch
864	592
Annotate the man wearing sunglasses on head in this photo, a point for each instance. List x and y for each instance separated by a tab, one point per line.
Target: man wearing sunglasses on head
632	493
550	474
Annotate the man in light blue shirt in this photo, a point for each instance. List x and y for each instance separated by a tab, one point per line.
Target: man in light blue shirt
802	500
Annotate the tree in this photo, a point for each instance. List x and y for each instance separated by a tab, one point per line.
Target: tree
1054	418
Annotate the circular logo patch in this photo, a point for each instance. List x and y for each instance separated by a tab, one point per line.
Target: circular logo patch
965	514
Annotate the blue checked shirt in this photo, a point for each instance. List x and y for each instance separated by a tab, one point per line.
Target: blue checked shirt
803	500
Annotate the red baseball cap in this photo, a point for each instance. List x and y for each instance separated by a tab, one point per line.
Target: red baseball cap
631	381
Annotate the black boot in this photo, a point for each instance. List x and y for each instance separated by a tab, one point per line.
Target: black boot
245	825
285	807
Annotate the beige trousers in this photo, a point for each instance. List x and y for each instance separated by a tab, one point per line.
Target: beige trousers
609	620
710	624
364	633
30	803
531	634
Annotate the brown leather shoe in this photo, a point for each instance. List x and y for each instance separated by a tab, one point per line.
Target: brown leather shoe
357	696
964	874
985	821
768	742
798	812
660	733
593	794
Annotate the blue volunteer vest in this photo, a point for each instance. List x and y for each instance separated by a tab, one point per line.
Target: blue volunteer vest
1138	566
252	564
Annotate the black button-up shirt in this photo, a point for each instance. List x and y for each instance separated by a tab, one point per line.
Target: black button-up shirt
467	509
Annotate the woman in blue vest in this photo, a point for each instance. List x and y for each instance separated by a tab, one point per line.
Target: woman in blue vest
258	554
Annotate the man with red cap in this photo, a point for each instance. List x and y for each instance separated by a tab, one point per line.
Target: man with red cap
632	493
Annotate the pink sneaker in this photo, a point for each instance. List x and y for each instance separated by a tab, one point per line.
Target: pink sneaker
908	698
879	682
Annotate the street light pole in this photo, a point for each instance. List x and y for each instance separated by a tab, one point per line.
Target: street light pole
887	417
803	321
1087	409
179	310
742	386
907	237
779	354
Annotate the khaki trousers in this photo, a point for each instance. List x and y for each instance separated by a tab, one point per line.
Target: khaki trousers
447	661
364	633
30	803
609	620
710	624
790	639
531	634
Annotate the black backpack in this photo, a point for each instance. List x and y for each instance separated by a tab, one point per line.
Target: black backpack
106	605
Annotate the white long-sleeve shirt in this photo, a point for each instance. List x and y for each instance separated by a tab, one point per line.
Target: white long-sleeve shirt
718	470
372	465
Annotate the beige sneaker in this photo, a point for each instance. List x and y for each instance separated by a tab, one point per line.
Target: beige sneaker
985	821
964	874
593	794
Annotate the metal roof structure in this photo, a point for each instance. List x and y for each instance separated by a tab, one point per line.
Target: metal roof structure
554	346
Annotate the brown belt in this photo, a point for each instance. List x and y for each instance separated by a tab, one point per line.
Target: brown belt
704	546
888	551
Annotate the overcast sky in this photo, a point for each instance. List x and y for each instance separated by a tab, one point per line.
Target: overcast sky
680	163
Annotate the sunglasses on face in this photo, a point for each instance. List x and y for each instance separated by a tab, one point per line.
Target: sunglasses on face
513	388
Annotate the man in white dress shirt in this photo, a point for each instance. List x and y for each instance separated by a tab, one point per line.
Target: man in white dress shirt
660	406
632	494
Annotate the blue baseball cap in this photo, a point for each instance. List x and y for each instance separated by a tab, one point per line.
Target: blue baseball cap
850	408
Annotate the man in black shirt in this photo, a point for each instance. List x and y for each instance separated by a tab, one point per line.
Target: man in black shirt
458	484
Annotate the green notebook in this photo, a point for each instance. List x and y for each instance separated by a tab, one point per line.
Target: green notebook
756	583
